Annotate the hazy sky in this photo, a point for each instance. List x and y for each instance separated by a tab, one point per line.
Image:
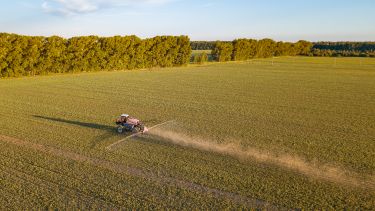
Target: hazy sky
288	20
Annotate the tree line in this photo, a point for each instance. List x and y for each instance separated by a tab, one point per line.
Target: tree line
353	49
244	49
202	45
325	49
35	55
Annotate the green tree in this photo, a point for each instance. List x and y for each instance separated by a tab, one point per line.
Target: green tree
32	55
15	56
53	55
244	49
266	48
5	47
222	51
200	58
184	51
303	47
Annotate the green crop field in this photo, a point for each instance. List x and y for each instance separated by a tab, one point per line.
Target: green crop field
281	133
201	51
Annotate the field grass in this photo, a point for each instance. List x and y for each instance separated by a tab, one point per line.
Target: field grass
317	113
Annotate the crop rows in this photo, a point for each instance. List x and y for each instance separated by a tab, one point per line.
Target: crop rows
98	192
303	107
88	195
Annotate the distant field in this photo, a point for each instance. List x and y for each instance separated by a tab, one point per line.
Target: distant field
200	51
290	132
197	52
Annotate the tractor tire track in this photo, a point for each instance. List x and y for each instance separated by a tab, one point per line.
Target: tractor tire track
66	175
163	180
48	187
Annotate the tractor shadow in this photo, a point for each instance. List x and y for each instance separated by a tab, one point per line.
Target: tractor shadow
109	131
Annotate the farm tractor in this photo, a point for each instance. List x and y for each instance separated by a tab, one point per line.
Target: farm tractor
126	123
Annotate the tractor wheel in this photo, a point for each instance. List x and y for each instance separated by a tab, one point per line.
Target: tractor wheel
120	129
141	127
135	129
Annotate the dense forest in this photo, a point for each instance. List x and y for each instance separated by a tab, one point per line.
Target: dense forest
334	49
34	55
